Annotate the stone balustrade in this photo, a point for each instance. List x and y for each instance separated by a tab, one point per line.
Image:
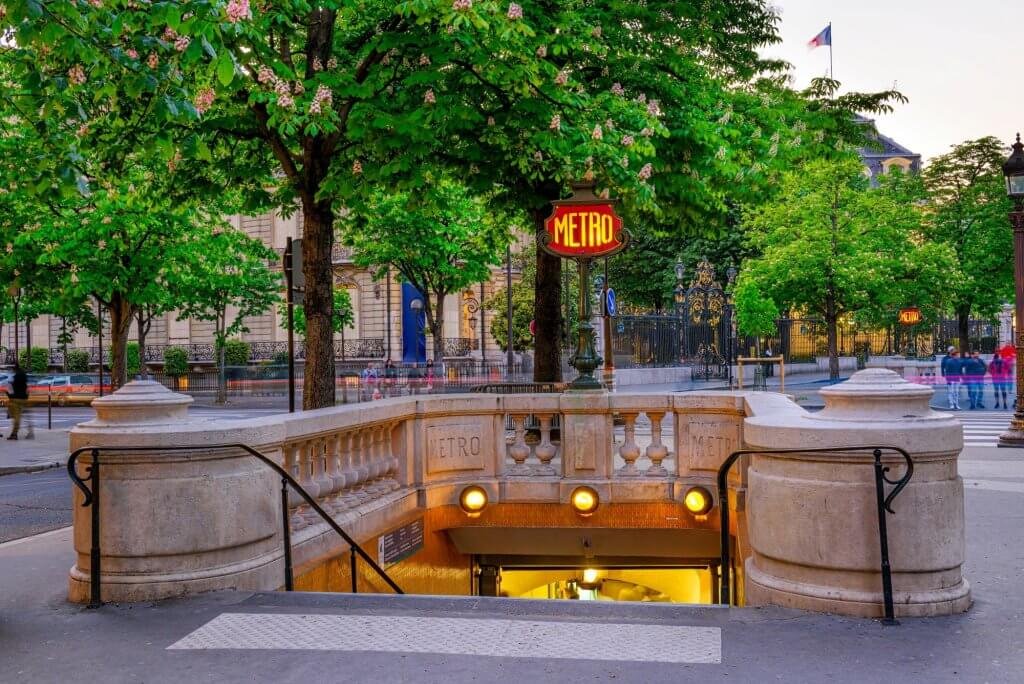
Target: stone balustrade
178	522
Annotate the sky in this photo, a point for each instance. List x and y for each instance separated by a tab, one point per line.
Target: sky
961	64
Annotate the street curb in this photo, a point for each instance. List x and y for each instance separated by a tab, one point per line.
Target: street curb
18	470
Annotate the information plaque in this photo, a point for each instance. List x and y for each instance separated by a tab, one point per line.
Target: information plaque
397	545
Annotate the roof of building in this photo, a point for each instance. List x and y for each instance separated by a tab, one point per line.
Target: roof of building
885	146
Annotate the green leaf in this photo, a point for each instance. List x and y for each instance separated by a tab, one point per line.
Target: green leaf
225	69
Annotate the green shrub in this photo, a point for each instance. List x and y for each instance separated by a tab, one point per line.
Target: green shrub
236	353
280	359
175	361
131	353
78	361
40	360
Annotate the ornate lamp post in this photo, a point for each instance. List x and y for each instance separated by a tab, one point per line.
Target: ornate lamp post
730	344
679	294
1013	169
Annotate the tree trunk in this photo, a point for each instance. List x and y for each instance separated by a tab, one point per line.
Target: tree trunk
963	325
222	380
120	322
831	326
317	240
547	311
143	329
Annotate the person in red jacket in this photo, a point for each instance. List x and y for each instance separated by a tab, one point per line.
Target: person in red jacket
1001	370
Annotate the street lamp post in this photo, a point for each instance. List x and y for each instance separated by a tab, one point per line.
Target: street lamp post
1013	169
731	332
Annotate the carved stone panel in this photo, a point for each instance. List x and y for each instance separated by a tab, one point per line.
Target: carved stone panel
705	441
456	446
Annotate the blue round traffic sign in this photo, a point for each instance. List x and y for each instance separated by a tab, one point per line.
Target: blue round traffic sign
610	306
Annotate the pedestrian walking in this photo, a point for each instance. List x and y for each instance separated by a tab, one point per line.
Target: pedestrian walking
17	398
951	369
1001	370
369	380
974	376
390	377
430	375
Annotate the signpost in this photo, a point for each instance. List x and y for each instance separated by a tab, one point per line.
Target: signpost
910	316
295	281
584	227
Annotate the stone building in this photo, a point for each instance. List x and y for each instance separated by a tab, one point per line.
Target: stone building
886	154
381	310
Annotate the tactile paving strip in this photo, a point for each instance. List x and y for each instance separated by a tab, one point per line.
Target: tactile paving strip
459	636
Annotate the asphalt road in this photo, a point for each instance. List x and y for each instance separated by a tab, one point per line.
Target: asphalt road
34	503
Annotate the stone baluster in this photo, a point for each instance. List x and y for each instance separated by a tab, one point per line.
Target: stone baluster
377	463
349	470
361	449
388	454
629	450
334	463
307	474
545	450
291	466
321	475
520	450
656	451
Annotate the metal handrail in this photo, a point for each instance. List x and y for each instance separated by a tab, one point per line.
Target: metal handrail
92	498
883	502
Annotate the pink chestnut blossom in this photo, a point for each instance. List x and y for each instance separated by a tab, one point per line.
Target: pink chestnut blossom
170	35
357	168
265	74
562	78
204	100
181	44
598	134
515	11
556	123
131	52
462	5
627	140
153	61
429	97
645	172
490	121
285	101
542	51
238	10
617	89
76	75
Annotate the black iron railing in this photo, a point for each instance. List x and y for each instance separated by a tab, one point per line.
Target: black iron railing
91	493
883	501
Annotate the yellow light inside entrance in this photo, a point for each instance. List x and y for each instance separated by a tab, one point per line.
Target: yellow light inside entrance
473	500
698	501
589	575
584	500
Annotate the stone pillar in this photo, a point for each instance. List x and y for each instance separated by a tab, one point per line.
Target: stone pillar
812	517
175	522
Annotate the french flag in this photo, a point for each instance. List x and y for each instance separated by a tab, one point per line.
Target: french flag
823	38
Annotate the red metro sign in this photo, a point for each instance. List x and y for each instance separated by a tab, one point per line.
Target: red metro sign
584	227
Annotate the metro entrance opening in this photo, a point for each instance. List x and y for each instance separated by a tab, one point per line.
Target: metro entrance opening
672	584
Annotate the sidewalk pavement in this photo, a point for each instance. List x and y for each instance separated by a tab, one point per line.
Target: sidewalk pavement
48	449
45	639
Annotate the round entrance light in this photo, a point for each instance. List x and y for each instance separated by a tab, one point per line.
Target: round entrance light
589	575
473	500
698	501
584	500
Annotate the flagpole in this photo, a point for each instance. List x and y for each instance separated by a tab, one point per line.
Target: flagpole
831	68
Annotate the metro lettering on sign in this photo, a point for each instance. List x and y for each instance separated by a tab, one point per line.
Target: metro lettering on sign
584	230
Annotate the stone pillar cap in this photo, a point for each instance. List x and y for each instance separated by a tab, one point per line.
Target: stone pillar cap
142	402
875	394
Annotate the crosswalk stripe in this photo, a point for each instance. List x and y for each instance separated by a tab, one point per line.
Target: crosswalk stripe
459	636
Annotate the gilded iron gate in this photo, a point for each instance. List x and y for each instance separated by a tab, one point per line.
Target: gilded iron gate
706	326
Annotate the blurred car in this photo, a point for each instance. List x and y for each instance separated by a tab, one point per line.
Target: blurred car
64	389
